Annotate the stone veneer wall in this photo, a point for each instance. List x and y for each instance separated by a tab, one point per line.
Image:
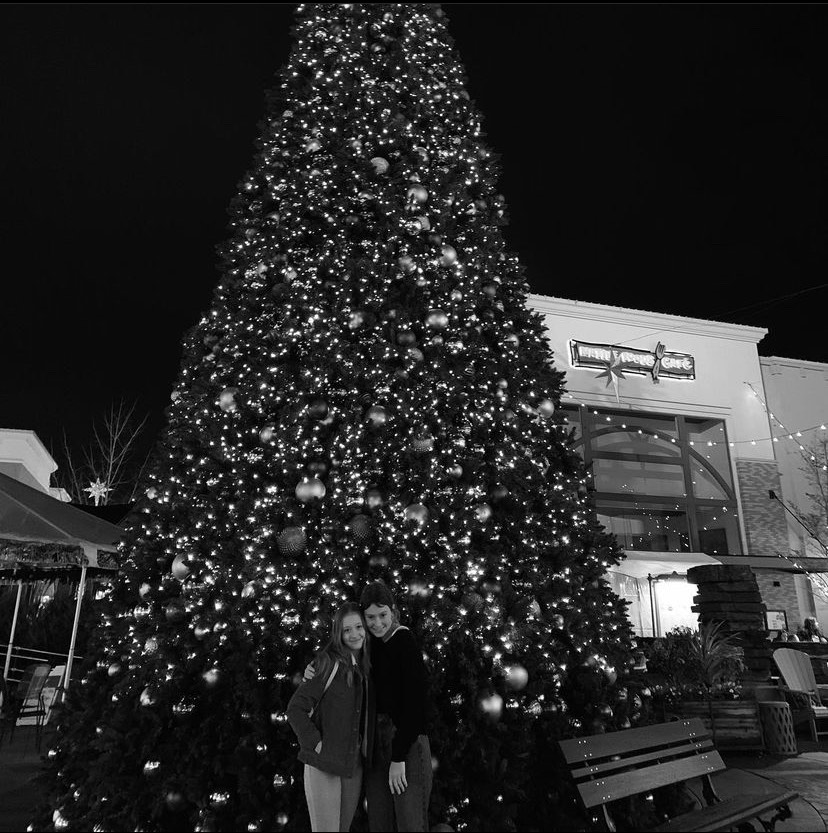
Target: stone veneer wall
730	595
765	523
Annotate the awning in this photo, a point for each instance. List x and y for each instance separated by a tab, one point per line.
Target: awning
41	537
640	564
39	532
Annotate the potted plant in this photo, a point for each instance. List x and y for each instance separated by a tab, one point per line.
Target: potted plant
703	672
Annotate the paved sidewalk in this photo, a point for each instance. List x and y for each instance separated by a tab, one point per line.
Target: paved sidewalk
20	762
806	774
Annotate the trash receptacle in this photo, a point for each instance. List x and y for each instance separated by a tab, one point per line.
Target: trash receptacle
778	727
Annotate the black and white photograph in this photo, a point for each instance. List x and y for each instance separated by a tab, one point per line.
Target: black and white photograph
414	417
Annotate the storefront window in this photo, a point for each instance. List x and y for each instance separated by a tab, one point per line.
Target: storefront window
650	527
637	478
660	483
707	438
718	530
635	435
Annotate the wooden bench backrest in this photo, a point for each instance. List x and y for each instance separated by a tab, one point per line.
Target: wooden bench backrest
620	764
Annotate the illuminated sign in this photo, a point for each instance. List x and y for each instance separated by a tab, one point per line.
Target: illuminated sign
656	363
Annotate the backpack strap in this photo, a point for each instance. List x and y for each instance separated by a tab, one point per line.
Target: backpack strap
327	686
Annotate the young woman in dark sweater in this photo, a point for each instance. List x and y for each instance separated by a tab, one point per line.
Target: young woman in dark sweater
398	781
398	776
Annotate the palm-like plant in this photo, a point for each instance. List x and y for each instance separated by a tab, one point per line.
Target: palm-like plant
714	656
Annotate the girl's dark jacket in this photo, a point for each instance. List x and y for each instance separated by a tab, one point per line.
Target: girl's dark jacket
335	721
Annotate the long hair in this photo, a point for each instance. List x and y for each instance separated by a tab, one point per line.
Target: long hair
335	650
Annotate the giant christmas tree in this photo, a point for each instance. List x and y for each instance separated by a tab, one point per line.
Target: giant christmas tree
368	395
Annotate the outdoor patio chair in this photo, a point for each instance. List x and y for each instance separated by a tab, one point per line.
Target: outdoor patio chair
803	694
26	700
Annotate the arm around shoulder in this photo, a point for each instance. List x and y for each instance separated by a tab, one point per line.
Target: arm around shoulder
305	699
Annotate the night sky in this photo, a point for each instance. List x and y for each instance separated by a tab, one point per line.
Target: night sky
661	157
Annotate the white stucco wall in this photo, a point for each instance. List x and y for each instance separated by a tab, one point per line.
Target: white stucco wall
726	358
797	395
24	457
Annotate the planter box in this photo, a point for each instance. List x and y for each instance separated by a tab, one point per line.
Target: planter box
735	724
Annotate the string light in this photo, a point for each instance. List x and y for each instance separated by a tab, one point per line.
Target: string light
368	394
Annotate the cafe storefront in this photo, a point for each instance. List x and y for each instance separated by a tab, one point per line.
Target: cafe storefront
679	447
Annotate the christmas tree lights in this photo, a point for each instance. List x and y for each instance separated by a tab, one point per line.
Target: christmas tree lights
368	395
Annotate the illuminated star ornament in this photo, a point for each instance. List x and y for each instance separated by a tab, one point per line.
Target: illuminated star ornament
97	490
614	372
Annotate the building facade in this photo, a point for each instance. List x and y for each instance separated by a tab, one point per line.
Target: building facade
670	414
24	457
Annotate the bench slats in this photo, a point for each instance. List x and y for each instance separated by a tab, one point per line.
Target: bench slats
727	814
578	750
622	785
591	770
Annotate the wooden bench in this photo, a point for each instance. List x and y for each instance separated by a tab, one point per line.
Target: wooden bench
617	765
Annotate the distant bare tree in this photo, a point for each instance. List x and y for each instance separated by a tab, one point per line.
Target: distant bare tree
813	518
110	459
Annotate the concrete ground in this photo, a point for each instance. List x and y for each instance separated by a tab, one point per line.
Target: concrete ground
20	763
806	774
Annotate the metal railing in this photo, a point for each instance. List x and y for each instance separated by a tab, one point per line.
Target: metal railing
21	657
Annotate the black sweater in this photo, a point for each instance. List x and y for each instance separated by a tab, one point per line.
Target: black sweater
401	684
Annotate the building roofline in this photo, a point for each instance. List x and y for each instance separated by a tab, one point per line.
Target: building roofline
33	439
807	364
661	322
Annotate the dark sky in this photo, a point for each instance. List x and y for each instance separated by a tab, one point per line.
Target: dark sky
661	157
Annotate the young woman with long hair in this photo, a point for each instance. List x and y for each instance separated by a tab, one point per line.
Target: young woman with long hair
399	776
332	715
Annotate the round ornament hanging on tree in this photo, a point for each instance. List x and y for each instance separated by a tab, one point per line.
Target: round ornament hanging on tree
417	194
423	441
380	164
376	416
318	408
310	488
200	630
407	264
292	540
180	568
517	677
448	256
416	512
360	528
227	399
374	499
267	433
437	319
546	407
483	512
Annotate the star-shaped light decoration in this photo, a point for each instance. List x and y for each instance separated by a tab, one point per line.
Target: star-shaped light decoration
97	490
613	373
